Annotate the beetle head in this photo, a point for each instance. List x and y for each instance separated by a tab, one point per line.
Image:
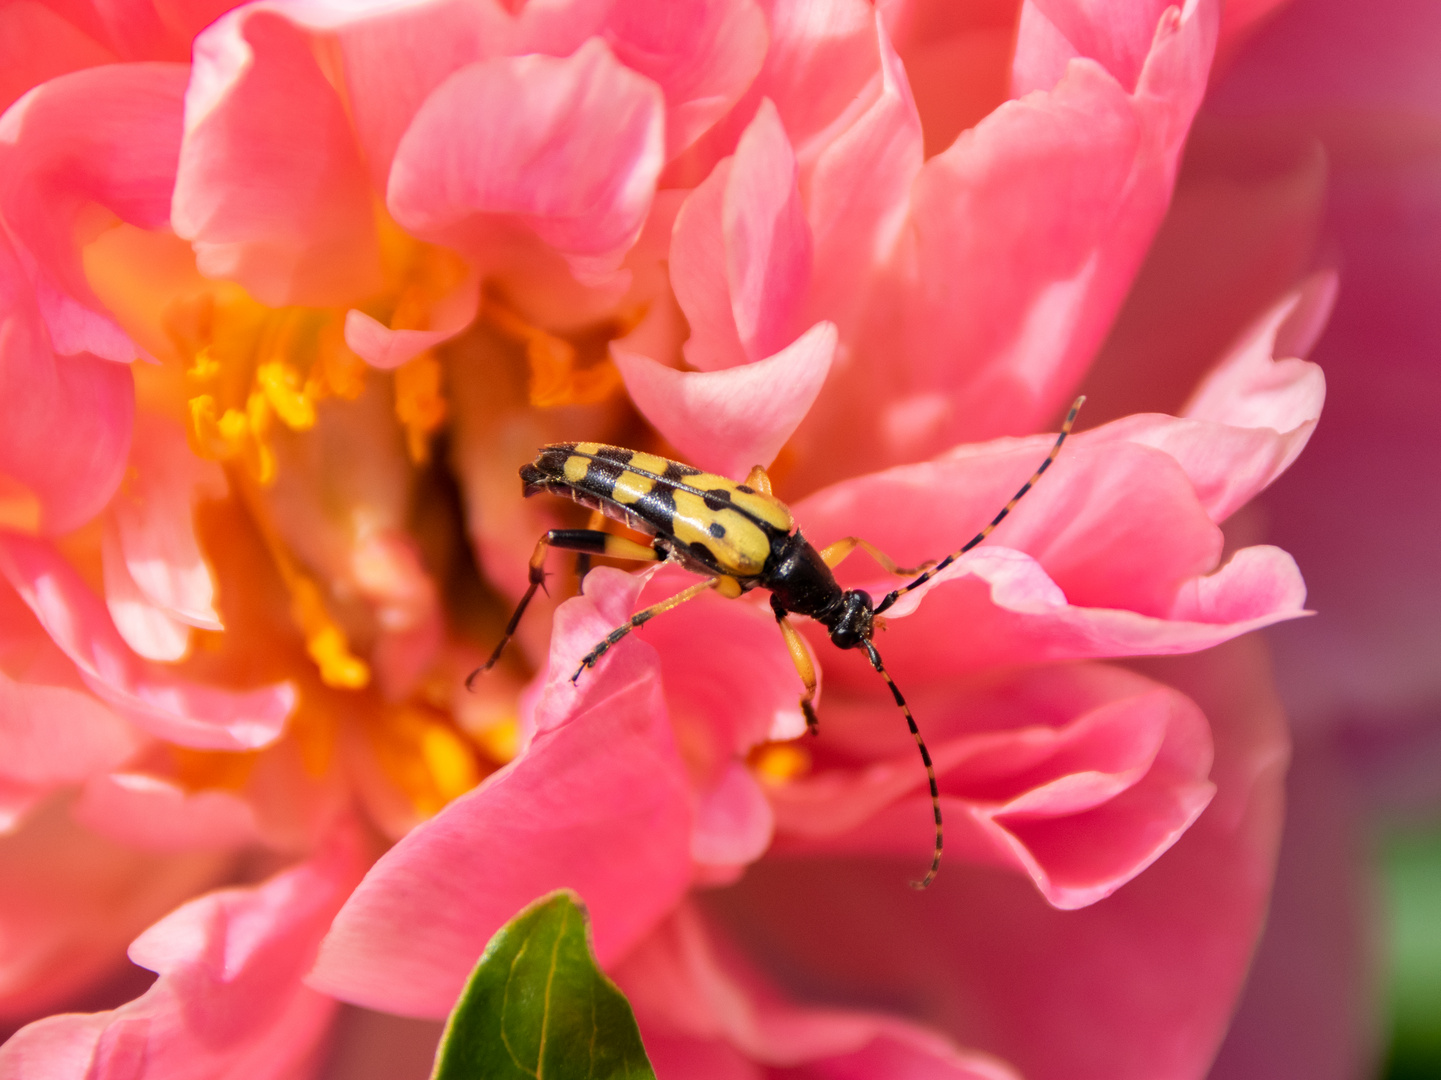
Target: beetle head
852	625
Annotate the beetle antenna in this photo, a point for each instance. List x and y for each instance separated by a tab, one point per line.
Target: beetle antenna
925	757
891	597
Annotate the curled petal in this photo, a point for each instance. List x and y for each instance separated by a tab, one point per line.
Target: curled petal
384	348
72	902
733	821
986	314
1052	33
229	1000
51	143
1117	526
731	419
1251	416
699	1005
1080	807
741	251
150	813
293	227
702	53
52	733
157	584
51	485
859	190
1004	609
153	699
569	149
597	802
1137	986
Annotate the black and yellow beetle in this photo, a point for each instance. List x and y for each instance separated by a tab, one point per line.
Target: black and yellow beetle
740	537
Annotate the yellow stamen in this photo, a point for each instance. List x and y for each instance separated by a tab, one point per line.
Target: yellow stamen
197	770
324	640
777	764
451	764
281	386
419	404
425	757
499	741
205	367
555	375
337	372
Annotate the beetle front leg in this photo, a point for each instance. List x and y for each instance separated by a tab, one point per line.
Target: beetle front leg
587	541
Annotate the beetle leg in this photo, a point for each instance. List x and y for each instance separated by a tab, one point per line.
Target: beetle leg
588	541
835	554
582	560
805	668
642	617
759	480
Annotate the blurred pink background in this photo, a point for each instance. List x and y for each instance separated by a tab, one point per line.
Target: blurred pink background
1319	147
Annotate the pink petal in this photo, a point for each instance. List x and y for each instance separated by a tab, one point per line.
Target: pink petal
174	709
1250	418
153	523
1003	609
701	646
1262	384
568	149
698	275
384	348
62	482
229	1000
988	313
36	45
1116	526
859	190
732	419
148	629
150	813
105	135
597	802
1054	32
1138	986
767	239
819	61
52	732
733	821
699	1004
72	901
1081	802
294	225
741	254
703	54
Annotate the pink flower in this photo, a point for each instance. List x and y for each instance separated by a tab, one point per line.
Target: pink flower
1258	205
303	306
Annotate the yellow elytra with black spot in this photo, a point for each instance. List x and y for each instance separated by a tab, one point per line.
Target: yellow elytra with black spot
713	524
740	537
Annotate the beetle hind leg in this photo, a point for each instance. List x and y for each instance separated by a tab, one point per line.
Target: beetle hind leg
585	541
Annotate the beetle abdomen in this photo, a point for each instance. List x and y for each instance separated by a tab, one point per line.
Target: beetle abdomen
726	526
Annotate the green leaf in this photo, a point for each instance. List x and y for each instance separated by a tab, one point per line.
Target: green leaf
537	1007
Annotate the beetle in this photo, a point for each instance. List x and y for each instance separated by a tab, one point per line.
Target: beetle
739	537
